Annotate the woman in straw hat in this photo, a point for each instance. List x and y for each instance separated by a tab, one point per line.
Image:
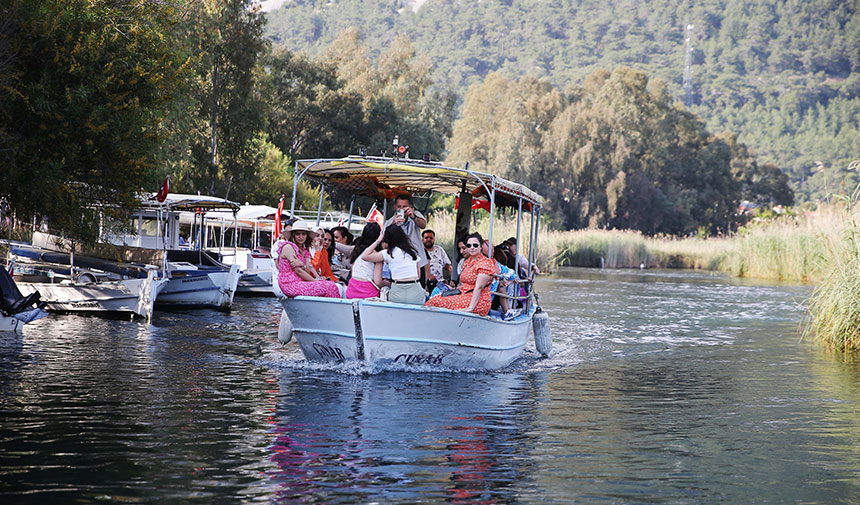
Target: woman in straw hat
296	276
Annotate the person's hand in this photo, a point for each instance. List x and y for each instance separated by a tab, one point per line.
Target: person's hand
398	219
410	212
297	263
432	278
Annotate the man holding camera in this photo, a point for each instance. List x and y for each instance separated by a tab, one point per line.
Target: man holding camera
412	223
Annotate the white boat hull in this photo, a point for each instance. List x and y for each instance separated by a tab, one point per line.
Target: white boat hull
132	297
337	330
211	289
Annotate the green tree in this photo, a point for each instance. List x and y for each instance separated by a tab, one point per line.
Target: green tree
225	107
82	105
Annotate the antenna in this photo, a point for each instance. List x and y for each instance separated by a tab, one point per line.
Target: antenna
688	64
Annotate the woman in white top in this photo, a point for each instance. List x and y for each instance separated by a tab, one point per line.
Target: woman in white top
366	276
402	259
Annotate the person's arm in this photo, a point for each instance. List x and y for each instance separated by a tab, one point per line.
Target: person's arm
290	255
449	269
371	254
377	274
419	218
343	248
482	282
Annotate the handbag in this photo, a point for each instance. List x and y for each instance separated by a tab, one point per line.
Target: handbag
454	292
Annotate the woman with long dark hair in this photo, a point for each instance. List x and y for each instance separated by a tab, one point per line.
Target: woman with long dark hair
366	277
403	260
340	264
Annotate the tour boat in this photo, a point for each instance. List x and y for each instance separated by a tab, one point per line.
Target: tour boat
375	331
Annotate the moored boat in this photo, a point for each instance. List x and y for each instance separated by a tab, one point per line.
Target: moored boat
379	332
83	284
196	278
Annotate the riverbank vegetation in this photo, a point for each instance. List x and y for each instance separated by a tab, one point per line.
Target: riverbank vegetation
785	248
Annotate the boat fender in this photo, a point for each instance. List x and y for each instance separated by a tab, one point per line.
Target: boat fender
285	329
543	335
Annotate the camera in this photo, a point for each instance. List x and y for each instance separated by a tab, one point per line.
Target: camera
401	212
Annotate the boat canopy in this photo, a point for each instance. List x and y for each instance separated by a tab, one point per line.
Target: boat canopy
383	178
177	202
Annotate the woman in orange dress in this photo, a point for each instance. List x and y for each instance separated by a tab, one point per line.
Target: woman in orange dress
478	271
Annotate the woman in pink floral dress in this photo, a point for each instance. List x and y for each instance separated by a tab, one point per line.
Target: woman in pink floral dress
296	276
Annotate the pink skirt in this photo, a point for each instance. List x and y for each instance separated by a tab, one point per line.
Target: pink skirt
361	289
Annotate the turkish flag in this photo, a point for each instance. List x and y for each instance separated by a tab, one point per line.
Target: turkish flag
278	215
376	217
476	204
165	188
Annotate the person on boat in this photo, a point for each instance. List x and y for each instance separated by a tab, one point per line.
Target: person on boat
403	261
323	258
503	281
474	288
412	222
440	264
283	238
296	275
366	278
522	261
340	264
461	248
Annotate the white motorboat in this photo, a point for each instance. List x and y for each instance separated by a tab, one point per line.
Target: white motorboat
131	297
83	284
195	278
381	332
17	309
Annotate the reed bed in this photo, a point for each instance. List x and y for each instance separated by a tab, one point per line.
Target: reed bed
834	307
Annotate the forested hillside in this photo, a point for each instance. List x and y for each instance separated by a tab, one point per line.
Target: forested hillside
783	75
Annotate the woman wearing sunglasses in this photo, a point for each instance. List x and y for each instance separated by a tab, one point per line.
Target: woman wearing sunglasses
475	280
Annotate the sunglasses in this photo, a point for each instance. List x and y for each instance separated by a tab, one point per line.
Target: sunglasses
473	246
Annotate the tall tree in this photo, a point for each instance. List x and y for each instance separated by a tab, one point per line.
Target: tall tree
227	107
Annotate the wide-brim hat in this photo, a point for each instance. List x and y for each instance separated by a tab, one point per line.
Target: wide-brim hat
301	226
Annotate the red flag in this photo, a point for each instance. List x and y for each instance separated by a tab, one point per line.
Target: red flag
278	216
476	204
481	204
376	217
165	188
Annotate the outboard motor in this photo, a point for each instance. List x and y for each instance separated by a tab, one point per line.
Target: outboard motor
13	303
543	335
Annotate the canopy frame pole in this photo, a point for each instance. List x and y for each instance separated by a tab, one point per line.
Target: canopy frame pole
519	220
492	215
319	207
351	204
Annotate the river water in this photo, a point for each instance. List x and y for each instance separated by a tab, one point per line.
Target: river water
662	387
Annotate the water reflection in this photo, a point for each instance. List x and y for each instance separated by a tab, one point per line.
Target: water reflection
461	438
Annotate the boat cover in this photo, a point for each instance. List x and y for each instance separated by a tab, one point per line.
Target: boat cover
383	177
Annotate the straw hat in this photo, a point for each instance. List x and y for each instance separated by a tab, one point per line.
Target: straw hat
301	226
